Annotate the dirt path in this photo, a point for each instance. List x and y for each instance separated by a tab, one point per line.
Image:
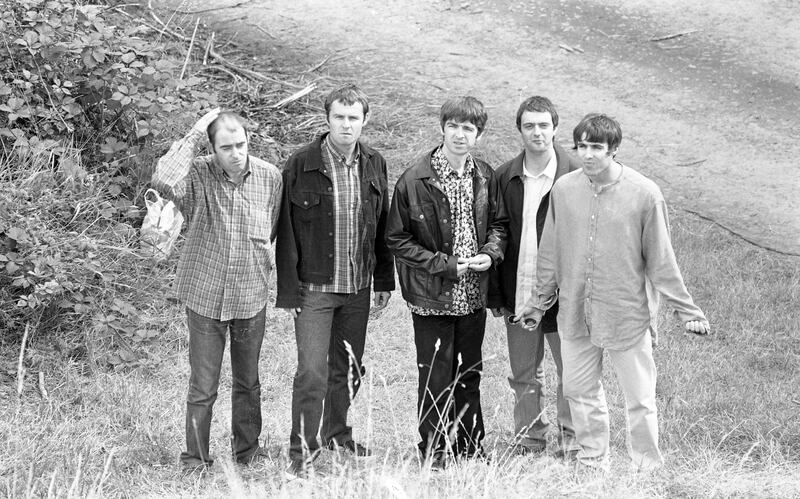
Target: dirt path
711	115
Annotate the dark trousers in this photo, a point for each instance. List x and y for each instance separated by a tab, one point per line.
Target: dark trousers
450	363
330	330
206	346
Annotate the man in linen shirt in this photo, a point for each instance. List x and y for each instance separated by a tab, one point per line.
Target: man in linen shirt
230	201
606	248
525	183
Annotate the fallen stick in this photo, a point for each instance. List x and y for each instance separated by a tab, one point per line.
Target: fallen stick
312	69
295	96
208	47
20	363
42	389
247	72
211	9
566	47
691	163
674	35
263	30
189	52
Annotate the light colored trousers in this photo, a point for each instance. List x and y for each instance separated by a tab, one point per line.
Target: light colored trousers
526	356
583	388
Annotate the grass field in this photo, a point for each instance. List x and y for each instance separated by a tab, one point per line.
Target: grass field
728	405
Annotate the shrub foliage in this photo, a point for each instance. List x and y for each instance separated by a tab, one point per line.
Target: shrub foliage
86	94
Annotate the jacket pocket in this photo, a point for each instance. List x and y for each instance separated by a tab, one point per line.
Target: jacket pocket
305	206
423	225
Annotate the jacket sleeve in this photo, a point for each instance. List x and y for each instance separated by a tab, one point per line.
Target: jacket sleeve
402	242
286	257
497	230
383	277
546	290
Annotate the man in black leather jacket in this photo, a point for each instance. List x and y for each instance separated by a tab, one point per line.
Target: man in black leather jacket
447	227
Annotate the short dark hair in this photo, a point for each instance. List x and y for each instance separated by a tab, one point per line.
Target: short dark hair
225	118
537	104
600	128
347	95
464	109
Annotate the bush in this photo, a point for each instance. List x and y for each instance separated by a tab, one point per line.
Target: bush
86	99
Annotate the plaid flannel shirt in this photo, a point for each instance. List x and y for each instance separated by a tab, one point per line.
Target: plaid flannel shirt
349	272
224	267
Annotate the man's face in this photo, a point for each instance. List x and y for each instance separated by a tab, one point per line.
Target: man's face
230	148
537	131
459	137
345	124
595	157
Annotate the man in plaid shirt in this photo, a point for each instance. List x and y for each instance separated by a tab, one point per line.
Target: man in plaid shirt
231	202
330	249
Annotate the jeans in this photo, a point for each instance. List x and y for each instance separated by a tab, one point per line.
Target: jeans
636	374
449	398
330	330
526	356
206	346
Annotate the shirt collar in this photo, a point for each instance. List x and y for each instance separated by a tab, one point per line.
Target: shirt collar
549	170
442	165
223	175
341	157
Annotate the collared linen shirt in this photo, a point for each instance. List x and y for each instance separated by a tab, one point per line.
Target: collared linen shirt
225	262
608	249
535	187
349	272
460	195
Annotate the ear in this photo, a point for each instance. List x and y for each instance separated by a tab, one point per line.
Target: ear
366	119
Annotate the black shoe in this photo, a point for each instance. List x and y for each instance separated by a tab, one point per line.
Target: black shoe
259	456
566	455
529	450
437	461
351	447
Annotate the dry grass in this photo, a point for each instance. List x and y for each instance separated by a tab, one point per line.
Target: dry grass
728	409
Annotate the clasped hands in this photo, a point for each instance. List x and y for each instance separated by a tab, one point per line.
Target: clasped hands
478	263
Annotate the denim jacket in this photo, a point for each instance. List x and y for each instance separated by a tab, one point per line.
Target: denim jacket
304	249
423	246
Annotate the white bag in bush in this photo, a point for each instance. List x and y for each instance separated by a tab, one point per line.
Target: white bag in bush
161	226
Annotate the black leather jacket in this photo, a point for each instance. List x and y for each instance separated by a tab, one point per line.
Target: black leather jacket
421	237
503	278
304	249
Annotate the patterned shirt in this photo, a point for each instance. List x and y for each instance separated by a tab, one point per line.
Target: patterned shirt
606	250
458	191
349	272
224	267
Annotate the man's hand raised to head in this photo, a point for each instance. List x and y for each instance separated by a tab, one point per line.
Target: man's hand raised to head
701	328
205	120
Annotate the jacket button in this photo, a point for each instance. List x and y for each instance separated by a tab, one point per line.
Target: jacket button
330	189
421	217
305	203
444	220
447	293
447	306
446	245
330	233
330	255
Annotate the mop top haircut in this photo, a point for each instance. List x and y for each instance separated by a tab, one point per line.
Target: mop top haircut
537	104
599	128
228	120
347	95
460	109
